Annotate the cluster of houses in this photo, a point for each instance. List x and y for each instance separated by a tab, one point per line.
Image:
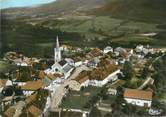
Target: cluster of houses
63	68
19	59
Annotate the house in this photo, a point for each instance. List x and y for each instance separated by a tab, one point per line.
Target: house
95	52
66	48
93	63
138	97
139	48
144	50
78	63
4	83
108	49
74	85
31	98
104	105
112	91
31	86
84	79
119	51
43	76
34	111
111	77
9	112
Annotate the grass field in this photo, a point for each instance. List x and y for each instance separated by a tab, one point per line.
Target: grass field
37	37
5	67
78	100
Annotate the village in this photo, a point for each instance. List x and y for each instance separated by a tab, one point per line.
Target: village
80	82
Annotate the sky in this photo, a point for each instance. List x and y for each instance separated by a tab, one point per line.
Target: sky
22	3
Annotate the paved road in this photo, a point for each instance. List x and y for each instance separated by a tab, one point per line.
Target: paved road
58	96
147	81
60	91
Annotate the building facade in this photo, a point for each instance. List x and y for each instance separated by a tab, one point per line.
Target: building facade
138	97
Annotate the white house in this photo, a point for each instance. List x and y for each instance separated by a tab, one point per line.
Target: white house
78	63
108	49
119	51
144	50
84	81
138	97
139	48
99	83
4	83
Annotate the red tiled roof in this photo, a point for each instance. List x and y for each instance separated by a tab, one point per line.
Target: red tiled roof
9	112
31	98
36	112
138	94
32	85
3	82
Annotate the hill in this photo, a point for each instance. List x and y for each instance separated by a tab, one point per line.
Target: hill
59	7
140	10
98	22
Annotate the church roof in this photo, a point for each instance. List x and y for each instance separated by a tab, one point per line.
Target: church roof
62	62
67	68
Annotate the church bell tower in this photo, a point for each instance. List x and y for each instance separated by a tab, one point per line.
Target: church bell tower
57	51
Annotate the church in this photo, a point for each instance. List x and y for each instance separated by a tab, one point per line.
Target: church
60	66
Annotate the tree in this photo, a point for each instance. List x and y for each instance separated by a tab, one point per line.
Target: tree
108	115
145	72
128	70
95	112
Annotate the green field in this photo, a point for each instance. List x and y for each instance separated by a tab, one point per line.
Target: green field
37	37
78	100
5	67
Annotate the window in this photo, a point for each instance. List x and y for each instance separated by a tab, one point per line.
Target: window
133	102
56	70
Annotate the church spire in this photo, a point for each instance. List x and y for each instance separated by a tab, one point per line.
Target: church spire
57	43
57	51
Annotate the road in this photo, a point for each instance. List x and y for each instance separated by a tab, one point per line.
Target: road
61	91
147	81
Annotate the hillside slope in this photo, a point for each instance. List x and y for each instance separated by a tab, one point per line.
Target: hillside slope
59	7
91	22
142	10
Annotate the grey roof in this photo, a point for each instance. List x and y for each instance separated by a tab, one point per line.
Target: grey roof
67	68
62	62
120	49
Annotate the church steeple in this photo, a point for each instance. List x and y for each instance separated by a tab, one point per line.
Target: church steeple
57	42
57	51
